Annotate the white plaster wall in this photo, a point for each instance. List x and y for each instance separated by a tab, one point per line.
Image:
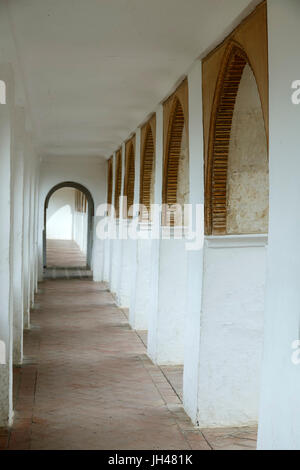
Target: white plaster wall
231	335
80	221
279	423
115	262
126	270
194	257
140	308
5	265
18	223
166	345
248	175
91	173
155	245
60	214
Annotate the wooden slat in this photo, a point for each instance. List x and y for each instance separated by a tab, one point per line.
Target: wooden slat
118	182
226	92
109	181
129	176
147	173
174	141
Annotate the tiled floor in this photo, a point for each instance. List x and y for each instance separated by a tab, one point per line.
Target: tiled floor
87	382
64	253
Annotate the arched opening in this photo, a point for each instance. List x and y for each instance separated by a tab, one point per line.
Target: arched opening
68	227
129	178
234	269
147	176
176	167
237	152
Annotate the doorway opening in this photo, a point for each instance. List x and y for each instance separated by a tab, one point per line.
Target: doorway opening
68	227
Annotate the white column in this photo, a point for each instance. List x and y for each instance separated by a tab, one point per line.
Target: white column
18	191
279	423
26	238
195	256
154	281
5	268
140	288
128	255
116	255
111	242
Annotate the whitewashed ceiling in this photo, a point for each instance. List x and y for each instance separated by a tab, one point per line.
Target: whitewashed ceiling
94	69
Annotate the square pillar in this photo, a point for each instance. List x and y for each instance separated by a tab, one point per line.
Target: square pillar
6	272
18	268
279	419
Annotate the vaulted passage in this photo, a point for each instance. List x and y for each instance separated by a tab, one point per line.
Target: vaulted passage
87	383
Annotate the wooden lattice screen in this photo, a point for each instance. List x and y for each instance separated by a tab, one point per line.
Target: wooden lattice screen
220	139
109	180
147	168
129	174
175	119
118	182
221	74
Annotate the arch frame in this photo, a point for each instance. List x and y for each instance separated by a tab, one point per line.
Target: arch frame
179	97
250	37
148	127
217	171
90	224
128	191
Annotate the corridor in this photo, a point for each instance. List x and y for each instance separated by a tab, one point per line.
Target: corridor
86	382
64	254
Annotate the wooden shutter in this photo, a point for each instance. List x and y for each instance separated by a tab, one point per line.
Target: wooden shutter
175	119
129	174
118	182
227	89
221	73
109	181
147	168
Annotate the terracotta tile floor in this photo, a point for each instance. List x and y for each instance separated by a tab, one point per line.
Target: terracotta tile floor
64	253
87	382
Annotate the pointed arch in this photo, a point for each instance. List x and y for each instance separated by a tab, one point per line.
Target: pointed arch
175	123
233	64
147	169
129	176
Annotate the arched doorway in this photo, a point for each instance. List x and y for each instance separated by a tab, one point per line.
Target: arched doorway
84	204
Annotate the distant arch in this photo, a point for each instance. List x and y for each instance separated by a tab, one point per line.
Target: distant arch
91	211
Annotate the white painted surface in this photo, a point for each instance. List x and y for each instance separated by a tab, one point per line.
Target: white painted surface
279	424
194	258
166	343
18	224
231	335
140	307
80	221
60	215
154	280
91	173
5	265
115	52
